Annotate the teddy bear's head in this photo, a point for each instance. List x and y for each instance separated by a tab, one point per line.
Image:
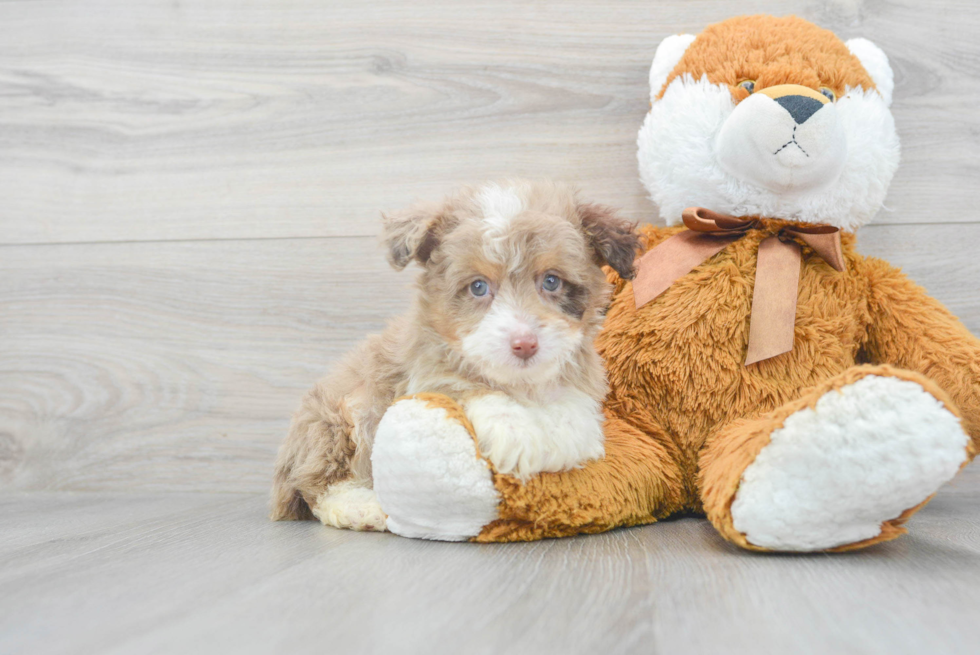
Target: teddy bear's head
766	116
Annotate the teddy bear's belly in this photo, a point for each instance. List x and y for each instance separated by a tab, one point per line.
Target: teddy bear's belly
676	365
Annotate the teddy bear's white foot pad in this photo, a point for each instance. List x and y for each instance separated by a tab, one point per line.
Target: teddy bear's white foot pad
833	474
351	506
428	476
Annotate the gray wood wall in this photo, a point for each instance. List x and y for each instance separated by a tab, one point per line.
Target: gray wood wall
190	192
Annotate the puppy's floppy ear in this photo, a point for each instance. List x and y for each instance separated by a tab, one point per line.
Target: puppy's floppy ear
614	240
413	233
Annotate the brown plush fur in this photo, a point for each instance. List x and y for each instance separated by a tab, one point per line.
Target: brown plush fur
682	428
634	484
742	48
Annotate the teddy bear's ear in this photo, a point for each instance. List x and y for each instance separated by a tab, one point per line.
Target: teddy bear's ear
413	233
613	240
668	54
876	63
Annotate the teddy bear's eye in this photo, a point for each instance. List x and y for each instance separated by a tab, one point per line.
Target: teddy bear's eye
748	85
828	93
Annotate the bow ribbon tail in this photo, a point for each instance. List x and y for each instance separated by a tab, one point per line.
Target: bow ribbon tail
671	260
777	280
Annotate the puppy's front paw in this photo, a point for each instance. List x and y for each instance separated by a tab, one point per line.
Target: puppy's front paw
523	440
350	506
427	473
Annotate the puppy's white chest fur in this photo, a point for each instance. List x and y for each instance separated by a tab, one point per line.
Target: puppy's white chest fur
524	439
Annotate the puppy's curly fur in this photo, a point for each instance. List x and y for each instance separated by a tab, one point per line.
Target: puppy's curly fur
491	257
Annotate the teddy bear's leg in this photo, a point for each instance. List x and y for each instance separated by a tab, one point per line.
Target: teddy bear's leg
911	330
433	484
840	468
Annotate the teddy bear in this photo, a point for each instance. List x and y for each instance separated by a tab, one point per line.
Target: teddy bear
762	373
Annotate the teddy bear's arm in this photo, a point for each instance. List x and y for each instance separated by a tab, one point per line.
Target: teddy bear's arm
636	482
911	330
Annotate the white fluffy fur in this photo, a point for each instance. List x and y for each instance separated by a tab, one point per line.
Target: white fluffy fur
499	204
876	63
523	439
489	346
350	505
833	474
428	477
668	55
762	144
679	164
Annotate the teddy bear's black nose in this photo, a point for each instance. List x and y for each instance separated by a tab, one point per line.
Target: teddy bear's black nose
799	107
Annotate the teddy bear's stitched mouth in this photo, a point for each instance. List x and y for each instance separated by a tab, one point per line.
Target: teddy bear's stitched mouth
792	141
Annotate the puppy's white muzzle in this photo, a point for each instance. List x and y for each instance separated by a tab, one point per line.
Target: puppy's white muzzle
511	345
783	139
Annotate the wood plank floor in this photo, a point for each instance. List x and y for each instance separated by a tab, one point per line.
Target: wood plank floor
206	573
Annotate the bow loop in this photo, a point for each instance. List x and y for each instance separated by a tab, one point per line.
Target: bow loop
706	221
777	270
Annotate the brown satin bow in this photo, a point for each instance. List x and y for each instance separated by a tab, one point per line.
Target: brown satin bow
777	272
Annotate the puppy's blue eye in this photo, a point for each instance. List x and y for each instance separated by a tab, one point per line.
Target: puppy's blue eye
830	95
479	288
748	85
551	282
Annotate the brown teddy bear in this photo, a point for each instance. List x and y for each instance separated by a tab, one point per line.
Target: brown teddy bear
762	372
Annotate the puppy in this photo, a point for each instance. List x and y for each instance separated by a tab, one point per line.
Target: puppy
510	298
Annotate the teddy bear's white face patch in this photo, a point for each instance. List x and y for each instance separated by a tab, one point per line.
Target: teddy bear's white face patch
787	144
698	147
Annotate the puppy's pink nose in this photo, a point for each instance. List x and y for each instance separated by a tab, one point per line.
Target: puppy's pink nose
524	345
